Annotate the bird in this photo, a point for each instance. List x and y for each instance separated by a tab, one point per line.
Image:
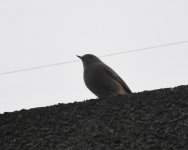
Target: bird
100	79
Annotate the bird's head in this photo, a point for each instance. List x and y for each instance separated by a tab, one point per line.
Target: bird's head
89	59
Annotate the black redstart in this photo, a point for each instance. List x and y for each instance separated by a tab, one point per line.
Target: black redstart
101	79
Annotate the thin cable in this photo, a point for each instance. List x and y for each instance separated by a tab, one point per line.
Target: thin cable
143	49
39	67
68	62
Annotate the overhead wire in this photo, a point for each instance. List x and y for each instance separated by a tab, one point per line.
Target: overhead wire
145	48
106	55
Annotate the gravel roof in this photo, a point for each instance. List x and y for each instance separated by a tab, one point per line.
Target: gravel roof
150	120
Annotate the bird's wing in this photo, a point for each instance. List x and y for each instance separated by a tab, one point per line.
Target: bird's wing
115	76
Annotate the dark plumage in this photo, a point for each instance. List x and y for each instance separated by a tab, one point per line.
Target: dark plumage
101	79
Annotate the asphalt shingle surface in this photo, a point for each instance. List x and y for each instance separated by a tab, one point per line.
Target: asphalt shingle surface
156	120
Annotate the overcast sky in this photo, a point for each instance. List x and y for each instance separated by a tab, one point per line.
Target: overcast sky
42	32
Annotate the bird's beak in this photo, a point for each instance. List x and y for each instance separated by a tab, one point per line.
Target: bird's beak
79	57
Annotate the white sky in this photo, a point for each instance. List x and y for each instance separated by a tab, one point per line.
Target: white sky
42	32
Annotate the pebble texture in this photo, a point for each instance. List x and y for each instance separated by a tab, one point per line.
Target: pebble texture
150	120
